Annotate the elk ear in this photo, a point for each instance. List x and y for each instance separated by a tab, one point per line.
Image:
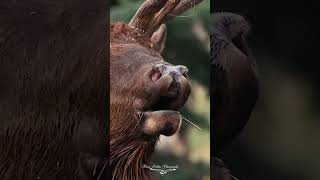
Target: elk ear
158	38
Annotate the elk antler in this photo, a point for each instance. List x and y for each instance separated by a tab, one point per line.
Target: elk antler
183	6
152	13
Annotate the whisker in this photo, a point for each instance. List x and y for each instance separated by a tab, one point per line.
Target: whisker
192	123
140	117
234	178
193	5
103	168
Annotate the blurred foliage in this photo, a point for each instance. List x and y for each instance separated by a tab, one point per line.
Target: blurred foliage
187	44
281	141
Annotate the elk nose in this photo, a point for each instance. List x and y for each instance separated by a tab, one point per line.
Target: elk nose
171	79
182	70
177	71
174	71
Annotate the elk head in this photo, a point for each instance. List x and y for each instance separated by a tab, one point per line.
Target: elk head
146	91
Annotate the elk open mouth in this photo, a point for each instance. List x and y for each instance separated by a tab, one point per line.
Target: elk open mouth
163	117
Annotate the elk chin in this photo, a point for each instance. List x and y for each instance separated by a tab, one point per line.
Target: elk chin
164	122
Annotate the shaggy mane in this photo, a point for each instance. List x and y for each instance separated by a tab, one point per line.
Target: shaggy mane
53	76
128	156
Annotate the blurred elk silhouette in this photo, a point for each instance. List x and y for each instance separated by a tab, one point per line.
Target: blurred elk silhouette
234	82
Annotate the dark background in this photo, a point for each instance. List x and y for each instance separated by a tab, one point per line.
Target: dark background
281	140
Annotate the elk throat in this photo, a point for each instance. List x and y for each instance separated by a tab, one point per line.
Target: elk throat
128	156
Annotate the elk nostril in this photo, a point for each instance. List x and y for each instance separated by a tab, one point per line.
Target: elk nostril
155	75
184	75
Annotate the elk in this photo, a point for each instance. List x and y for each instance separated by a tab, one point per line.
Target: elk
145	90
234	77
234	83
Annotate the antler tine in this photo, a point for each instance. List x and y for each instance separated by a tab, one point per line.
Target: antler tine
145	13
152	13
182	7
160	17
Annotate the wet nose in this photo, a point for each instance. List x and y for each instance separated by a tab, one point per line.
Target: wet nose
173	84
174	71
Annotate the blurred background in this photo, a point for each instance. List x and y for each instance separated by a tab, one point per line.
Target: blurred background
187	44
282	139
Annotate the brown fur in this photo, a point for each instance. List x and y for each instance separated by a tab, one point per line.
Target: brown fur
132	58
52	88
123	34
127	153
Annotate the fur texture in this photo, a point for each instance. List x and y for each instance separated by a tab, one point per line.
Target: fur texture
53	88
132	63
